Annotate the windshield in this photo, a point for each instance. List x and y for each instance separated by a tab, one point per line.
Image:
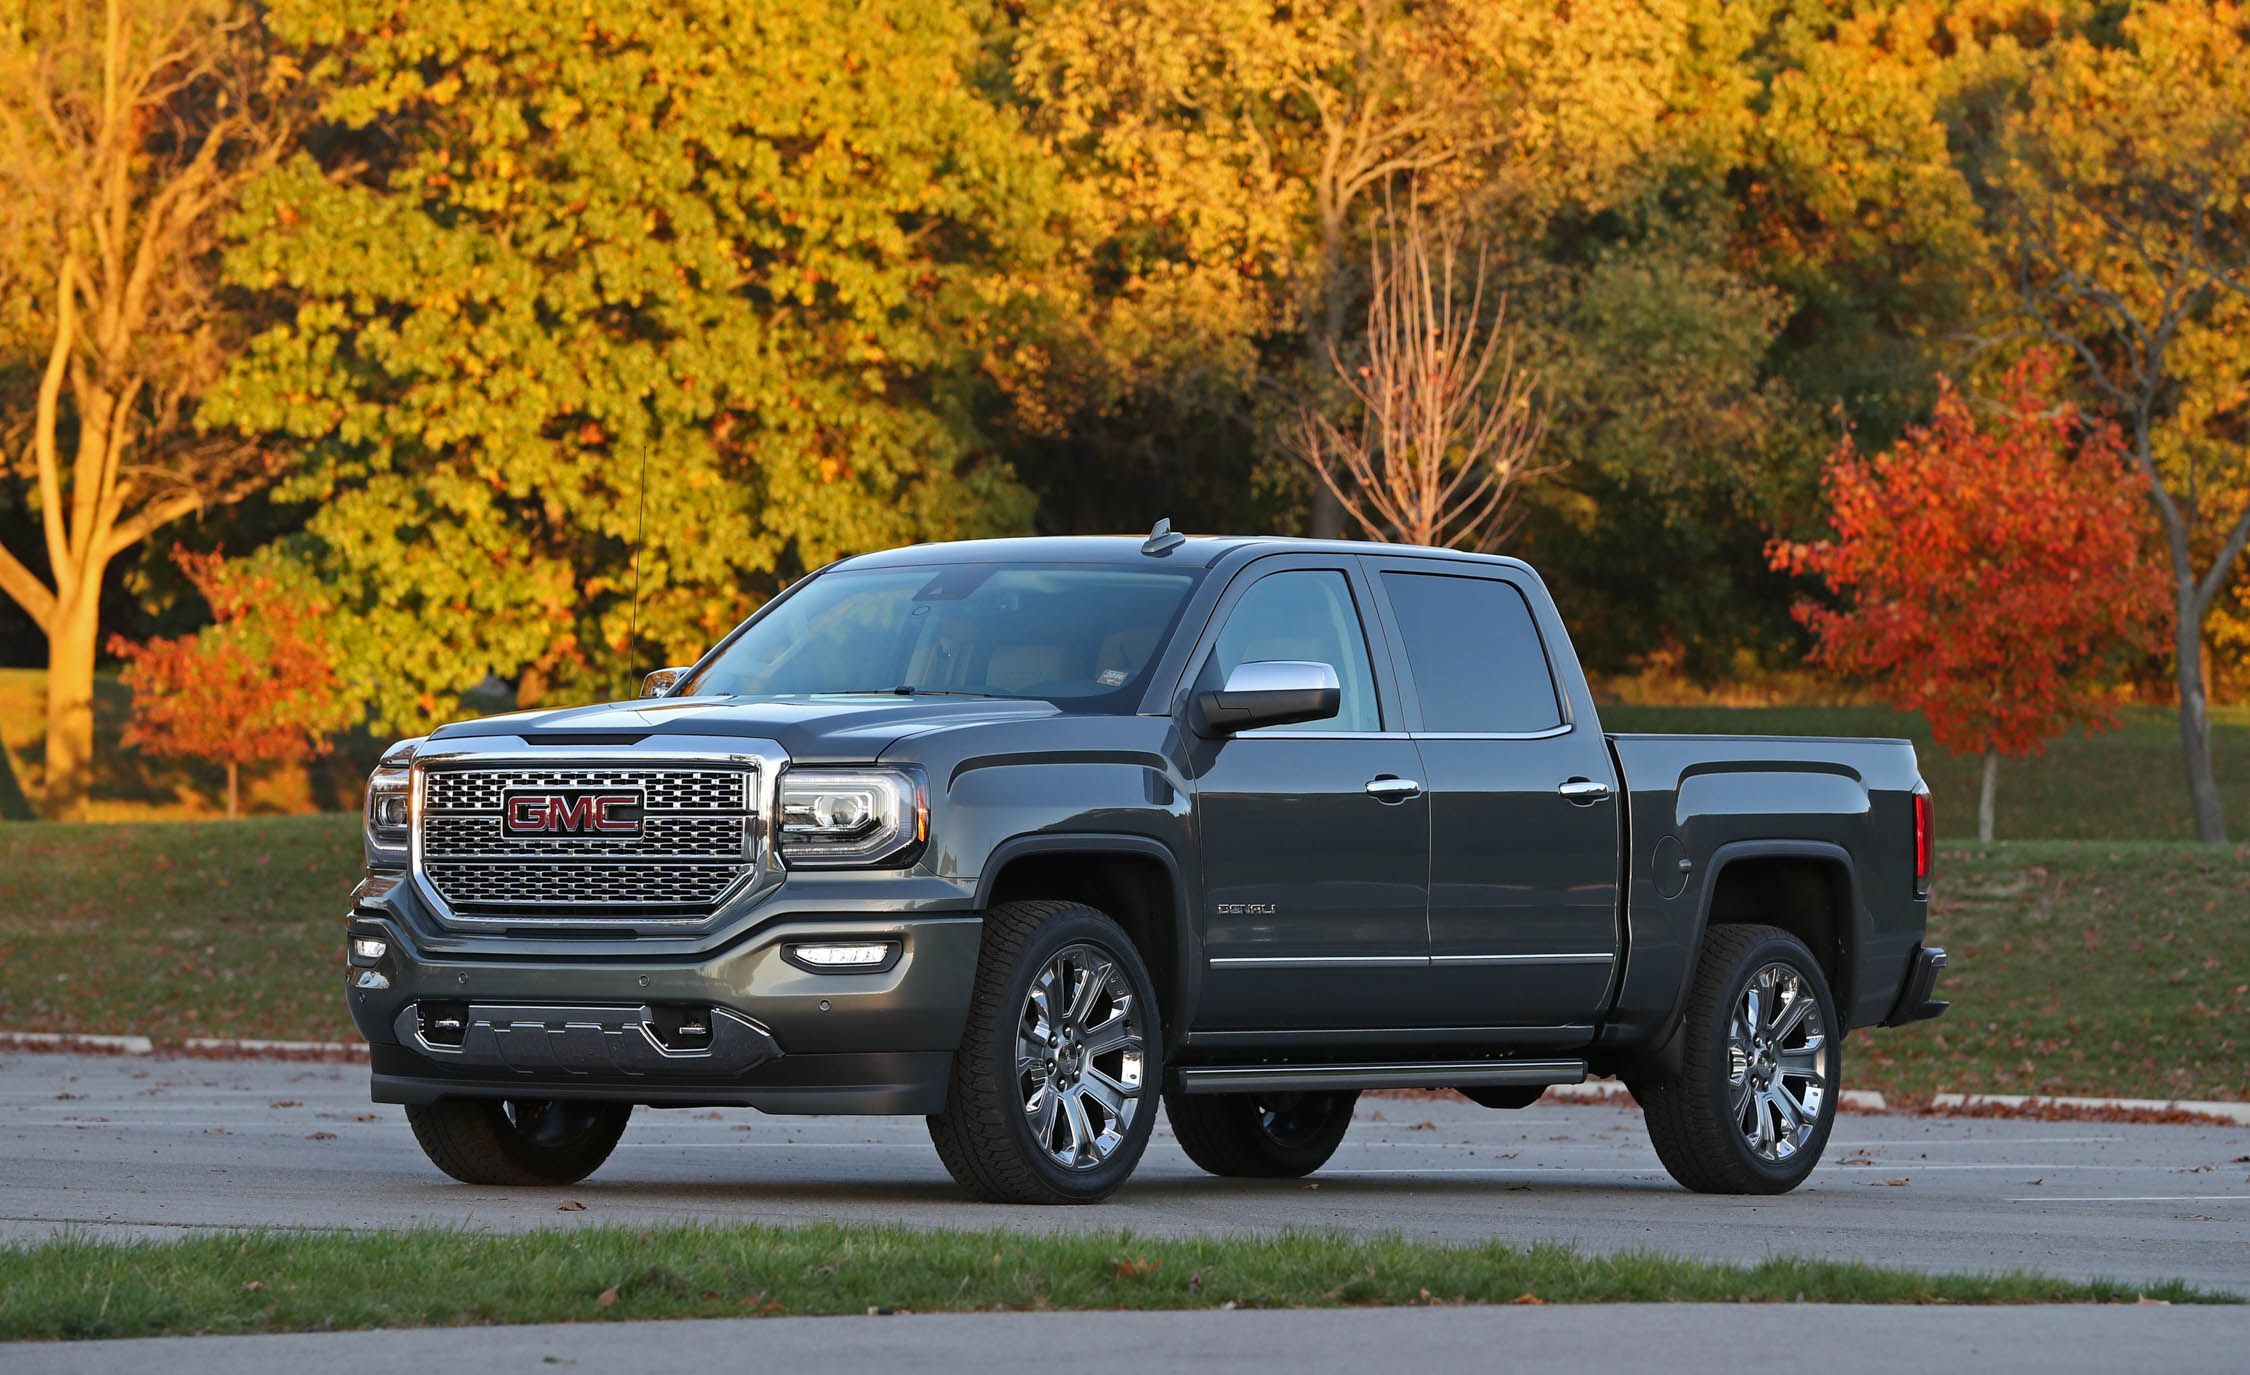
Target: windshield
1081	637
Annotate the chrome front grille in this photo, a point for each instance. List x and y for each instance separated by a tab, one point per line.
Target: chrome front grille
695	841
668	789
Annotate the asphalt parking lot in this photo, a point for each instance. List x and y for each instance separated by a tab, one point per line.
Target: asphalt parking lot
150	1146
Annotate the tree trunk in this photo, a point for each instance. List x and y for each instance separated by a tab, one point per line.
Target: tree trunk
2195	722
1988	796
234	790
70	703
1326	340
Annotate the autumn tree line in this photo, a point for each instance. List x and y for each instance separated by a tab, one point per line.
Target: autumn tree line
1910	336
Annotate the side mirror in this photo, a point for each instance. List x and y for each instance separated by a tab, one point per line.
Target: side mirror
662	681
1273	692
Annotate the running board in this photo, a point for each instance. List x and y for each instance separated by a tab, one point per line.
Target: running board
1421	1075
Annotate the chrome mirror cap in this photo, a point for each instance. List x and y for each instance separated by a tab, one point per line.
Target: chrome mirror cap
1268	692
662	681
1282	675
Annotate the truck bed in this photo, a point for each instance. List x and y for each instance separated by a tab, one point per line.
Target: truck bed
1832	822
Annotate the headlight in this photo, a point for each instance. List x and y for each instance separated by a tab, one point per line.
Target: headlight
852	816
389	809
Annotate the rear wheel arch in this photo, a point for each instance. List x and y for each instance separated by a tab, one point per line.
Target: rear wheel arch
1136	881
1809	889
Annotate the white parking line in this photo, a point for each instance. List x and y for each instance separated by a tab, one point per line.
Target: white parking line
2138	1198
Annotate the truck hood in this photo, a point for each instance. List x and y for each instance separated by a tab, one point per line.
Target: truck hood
828	729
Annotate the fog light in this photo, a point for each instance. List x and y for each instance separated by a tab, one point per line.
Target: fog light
842	957
366	950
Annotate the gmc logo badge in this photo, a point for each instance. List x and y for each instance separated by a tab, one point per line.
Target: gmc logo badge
571	812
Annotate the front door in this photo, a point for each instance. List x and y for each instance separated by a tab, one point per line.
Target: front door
1315	837
1523	800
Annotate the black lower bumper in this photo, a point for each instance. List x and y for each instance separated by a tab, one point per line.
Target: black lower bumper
1916	1002
743	1025
907	1083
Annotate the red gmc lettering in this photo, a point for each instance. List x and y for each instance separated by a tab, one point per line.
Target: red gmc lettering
595	812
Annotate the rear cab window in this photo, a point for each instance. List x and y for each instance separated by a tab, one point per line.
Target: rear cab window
1474	651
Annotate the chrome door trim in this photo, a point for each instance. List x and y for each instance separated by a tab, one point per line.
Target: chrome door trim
1287	961
1548	734
1572	957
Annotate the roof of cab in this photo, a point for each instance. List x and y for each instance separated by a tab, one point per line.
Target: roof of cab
1196	551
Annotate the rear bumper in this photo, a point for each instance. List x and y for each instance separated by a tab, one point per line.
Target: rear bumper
773	1035
1916	1000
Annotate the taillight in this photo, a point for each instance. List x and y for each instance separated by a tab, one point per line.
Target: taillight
1925	839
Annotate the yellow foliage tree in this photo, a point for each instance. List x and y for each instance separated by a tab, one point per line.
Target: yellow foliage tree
2124	212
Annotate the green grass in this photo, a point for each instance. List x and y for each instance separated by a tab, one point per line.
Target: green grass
75	1287
2082	968
2078	967
2125	784
206	928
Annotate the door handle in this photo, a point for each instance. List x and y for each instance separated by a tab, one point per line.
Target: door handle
1391	788
1583	791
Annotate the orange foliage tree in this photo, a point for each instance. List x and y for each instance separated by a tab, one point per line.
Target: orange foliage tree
256	686
1995	575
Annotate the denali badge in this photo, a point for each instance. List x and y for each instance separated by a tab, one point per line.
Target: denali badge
571	811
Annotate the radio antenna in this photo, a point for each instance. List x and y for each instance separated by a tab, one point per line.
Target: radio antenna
640	536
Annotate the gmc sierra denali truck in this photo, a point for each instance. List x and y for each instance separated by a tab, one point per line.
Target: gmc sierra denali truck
1021	835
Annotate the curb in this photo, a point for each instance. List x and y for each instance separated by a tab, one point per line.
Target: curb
2236	1113
196	1047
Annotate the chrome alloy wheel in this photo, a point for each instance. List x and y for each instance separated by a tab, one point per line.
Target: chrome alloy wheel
1778	1062
1079	1053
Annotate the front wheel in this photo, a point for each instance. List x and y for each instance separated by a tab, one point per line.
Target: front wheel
1260	1135
1750	1109
1053	1092
518	1141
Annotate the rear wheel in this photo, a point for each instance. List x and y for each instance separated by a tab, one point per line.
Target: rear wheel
1053	1092
1260	1135
1751	1107
518	1141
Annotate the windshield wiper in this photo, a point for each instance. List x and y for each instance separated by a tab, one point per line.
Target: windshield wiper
909	690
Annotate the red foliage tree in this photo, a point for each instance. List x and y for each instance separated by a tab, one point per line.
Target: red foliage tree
255	686
1995	576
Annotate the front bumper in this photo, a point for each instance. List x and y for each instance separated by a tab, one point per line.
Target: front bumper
555	1023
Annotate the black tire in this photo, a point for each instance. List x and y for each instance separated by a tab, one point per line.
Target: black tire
518	1141
1261	1135
986	1135
1691	1114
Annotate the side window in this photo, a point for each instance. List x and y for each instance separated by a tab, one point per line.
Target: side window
1304	615
1478	665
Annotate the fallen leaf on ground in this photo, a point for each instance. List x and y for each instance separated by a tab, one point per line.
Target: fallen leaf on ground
608	1298
322	1136
1134	1267
1528	1298
570	1205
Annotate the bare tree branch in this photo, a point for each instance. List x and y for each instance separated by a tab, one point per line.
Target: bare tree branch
1450	420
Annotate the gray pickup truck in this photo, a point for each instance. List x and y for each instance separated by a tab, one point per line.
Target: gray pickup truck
1019	835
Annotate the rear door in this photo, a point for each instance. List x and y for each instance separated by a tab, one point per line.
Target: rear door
1315	837
1523	799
